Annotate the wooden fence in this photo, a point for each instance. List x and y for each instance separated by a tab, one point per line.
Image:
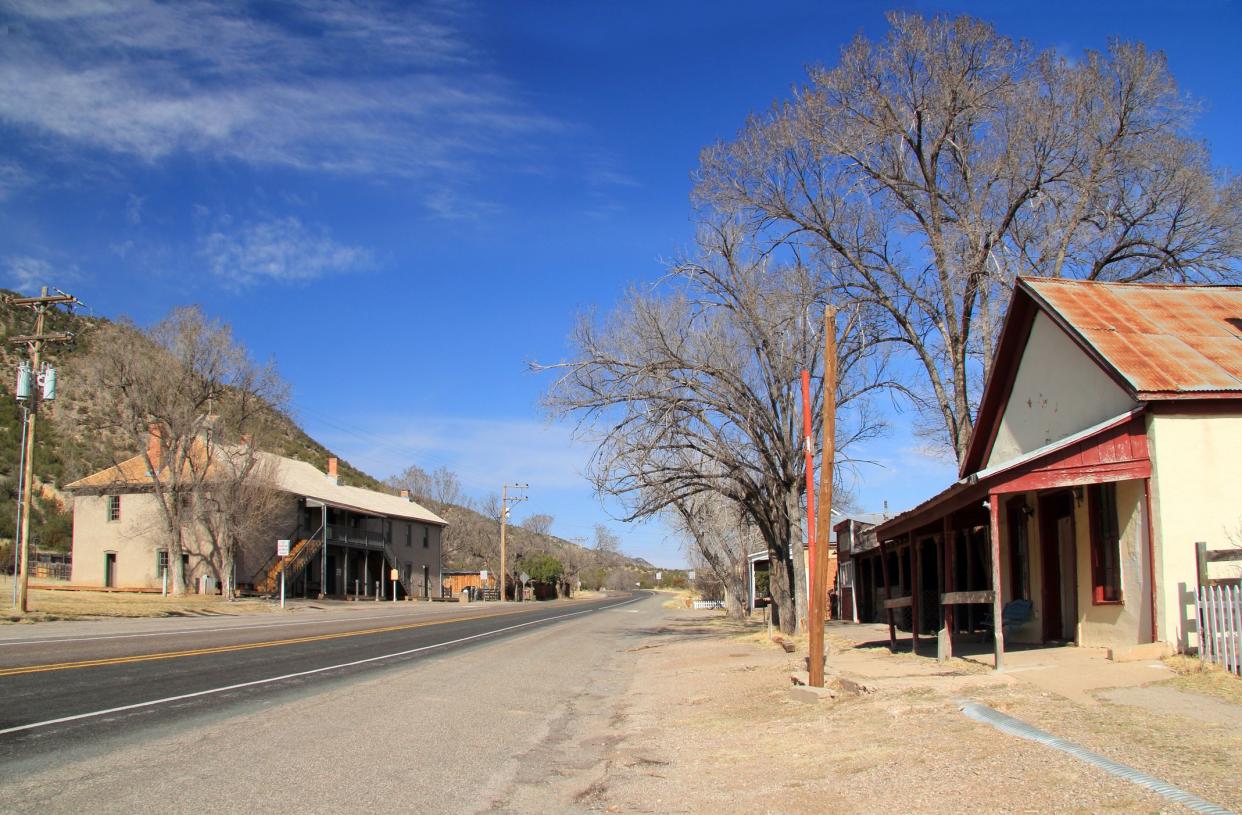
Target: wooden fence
1220	626
706	604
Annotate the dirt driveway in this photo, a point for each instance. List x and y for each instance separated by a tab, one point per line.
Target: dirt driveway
708	725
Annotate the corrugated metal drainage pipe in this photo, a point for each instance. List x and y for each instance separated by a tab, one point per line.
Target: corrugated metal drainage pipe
1019	728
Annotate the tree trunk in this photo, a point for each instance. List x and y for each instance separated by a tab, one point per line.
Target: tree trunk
780	584
736	594
229	590
176	568
797	551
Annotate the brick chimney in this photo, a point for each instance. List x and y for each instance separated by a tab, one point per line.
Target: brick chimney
154	447
405	494
333	476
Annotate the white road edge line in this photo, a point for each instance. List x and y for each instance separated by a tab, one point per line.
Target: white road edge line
271	679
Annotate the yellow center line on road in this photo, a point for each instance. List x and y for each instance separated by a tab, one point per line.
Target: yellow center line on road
221	649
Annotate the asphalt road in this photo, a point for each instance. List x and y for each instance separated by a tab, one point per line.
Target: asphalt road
71	693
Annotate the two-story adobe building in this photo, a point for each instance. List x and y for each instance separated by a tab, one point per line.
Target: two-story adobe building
343	540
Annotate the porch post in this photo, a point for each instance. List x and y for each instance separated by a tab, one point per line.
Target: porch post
998	621
750	571
915	593
949	543
1151	556
888	595
323	563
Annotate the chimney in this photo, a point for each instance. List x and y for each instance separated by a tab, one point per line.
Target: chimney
154	447
405	494
332	473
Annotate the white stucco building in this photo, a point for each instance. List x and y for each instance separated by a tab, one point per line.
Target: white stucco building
1108	441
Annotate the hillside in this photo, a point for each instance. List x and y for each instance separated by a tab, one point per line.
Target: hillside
66	451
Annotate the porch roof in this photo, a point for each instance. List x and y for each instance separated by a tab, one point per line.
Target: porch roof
977	485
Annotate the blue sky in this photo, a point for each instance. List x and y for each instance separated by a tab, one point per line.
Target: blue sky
404	203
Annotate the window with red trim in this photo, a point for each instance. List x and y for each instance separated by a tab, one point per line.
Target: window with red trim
1105	544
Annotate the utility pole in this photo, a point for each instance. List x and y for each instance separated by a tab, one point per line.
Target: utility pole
819	580
34	343
505	500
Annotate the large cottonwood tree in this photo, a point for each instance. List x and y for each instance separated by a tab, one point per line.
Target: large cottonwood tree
925	170
689	389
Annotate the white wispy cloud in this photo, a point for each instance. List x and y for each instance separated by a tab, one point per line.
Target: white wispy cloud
12	178
26	274
281	249
480	451
360	87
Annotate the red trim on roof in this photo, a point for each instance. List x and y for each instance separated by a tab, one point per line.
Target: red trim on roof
1116	452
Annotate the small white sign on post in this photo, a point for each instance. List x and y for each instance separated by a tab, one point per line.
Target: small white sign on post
690	575
282	551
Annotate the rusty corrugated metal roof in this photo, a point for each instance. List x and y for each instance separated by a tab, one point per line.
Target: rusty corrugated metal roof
1162	339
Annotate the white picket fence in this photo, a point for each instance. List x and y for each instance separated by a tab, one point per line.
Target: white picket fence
702	604
1220	626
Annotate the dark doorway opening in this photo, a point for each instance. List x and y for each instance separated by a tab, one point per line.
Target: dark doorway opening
1059	606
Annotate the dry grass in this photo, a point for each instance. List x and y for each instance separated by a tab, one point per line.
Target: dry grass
1195	676
78	605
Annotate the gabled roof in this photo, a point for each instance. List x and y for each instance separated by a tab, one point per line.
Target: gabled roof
306	480
290	475
1157	341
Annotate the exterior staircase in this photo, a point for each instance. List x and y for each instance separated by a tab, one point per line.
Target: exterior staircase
390	554
300	554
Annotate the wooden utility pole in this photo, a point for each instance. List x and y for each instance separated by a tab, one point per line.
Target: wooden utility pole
34	343
819	580
505	500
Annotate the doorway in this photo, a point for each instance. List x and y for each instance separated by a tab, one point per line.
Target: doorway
110	570
1058	573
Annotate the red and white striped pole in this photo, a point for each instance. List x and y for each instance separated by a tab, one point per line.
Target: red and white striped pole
809	451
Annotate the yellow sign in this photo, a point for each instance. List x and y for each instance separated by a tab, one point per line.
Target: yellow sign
394	574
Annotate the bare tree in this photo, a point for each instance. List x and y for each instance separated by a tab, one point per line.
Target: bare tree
606	541
923	172
180	392
690	388
441	486
538	524
240	507
718	537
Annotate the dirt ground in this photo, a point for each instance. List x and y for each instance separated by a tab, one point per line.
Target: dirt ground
48	604
708	725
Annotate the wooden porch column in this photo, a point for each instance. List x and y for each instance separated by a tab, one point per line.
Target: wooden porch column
998	621
916	594
950	544
888	595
